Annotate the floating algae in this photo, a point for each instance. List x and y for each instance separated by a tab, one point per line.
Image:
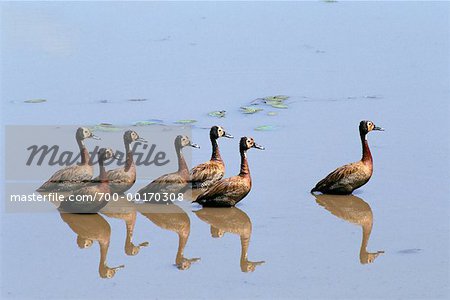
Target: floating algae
217	113
250	109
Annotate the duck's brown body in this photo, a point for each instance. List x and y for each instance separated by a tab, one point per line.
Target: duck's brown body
72	177
98	193
172	182
228	192
122	179
208	173
346	179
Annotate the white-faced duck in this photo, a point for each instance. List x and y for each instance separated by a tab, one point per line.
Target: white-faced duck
229	191
212	171
122	179
90	228
346	179
72	177
354	210
95	196
172	182
235	221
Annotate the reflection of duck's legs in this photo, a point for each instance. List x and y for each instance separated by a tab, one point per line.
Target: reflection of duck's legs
364	256
246	265
103	269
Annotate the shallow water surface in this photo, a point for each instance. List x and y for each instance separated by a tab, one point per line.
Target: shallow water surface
339	63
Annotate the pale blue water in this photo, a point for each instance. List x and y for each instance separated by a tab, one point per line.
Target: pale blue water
340	63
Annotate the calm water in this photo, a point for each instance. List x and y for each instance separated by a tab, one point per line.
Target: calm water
339	62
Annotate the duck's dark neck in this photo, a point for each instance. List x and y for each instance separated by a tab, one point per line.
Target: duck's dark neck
83	152
182	166
103	177
245	171
366	155
129	153
215	150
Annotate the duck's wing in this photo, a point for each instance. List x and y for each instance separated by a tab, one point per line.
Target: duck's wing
208	171
337	178
68	175
172	182
229	187
92	202
118	175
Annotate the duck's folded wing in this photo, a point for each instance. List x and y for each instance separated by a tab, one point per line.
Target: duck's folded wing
206	171
226	186
337	176
72	174
165	183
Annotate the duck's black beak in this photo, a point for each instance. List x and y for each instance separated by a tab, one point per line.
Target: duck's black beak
258	147
95	137
227	135
378	128
194	145
141	140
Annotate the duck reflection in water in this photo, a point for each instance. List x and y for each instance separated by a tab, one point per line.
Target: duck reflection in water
354	210
232	220
126	211
171	217
90	228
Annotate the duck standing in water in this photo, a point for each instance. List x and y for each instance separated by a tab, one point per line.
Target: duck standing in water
122	179
172	182
72	177
228	192
95	192
204	175
346	179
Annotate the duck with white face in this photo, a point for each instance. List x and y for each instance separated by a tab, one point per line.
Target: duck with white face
346	179
95	195
206	174
229	191
123	178
73	177
173	182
